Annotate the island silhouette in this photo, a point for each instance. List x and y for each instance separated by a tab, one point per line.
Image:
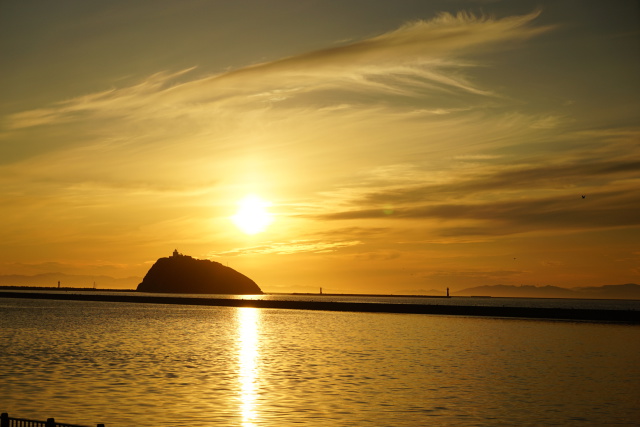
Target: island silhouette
187	275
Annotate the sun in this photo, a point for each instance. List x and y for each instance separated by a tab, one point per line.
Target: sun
252	216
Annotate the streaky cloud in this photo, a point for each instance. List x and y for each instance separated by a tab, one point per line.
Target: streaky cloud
105	101
613	209
507	180
291	247
423	53
512	200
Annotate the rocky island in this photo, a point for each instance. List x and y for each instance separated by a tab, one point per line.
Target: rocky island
187	275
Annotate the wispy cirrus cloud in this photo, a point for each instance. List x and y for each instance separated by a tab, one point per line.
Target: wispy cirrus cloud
291	247
417	57
109	102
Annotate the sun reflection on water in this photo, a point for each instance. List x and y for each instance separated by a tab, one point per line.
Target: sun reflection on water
247	357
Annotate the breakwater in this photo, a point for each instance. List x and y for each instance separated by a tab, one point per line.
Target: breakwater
596	315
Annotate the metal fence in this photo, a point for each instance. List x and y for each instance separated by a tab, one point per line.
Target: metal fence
7	421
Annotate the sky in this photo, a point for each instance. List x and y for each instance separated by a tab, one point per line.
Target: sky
396	147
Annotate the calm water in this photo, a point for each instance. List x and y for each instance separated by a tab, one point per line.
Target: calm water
156	365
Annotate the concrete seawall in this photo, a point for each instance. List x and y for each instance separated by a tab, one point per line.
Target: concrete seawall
625	316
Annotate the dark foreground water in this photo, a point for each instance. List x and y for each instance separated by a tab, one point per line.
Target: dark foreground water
127	364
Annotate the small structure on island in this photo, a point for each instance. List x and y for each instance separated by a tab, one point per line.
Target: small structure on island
187	275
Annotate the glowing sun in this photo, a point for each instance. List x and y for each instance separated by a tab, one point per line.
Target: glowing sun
252	216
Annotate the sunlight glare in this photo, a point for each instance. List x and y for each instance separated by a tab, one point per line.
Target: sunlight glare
248	340
252	216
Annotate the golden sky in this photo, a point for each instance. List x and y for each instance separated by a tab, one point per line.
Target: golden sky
398	146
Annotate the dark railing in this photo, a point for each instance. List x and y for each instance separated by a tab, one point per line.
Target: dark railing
7	421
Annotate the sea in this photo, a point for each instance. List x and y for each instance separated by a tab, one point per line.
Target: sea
138	365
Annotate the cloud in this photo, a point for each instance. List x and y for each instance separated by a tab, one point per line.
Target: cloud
516	178
354	232
109	102
445	36
615	209
343	95
419	56
549	122
506	200
287	248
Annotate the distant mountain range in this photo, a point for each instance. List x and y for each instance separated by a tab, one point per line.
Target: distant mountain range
626	291
69	280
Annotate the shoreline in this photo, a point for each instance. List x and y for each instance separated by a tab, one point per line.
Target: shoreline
20	288
593	315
